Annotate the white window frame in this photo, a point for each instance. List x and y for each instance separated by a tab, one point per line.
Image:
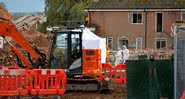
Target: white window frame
123	37
111	43
137	42
156	21
182	12
130	17
161	39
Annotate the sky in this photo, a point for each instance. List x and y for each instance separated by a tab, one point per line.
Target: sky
24	5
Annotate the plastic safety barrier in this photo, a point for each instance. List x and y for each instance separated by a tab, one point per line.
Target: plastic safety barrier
183	95
118	73
107	71
21	82
121	70
48	81
14	82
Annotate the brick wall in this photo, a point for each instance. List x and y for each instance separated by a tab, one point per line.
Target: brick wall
116	24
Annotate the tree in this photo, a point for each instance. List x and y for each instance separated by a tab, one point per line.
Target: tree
64	10
2	4
181	2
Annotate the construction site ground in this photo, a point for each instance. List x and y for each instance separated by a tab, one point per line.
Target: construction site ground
118	91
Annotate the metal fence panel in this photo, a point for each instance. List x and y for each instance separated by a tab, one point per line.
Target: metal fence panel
179	67
150	79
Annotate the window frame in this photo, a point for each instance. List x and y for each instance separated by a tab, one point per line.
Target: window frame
182	12
111	43
161	39
137	42
156	21
123	37
131	17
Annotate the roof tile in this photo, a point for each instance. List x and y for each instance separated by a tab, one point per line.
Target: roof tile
137	4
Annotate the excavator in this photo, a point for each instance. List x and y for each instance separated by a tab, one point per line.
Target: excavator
35	57
83	67
67	52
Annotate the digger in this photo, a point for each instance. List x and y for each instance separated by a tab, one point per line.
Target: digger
73	49
79	52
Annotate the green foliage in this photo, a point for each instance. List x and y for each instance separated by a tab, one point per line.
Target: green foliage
181	2
76	13
65	10
2	4
42	27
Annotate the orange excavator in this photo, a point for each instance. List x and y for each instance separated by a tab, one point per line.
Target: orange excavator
34	80
35	57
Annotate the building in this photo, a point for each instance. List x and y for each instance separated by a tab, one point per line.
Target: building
29	22
138	25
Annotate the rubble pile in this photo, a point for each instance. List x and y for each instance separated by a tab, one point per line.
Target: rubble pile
7	58
4	14
38	39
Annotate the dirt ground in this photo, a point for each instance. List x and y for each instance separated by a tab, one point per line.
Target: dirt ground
118	92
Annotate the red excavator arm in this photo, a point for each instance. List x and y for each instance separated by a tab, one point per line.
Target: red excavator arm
7	28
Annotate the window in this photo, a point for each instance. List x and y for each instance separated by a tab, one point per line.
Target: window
110	43
182	16
159	22
139	43
161	43
136	17
1	42
122	41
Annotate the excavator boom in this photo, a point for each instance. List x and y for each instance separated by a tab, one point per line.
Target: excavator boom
7	28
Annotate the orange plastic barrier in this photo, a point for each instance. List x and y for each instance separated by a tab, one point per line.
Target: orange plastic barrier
121	68
14	82
107	71
48	81
20	82
183	95
119	73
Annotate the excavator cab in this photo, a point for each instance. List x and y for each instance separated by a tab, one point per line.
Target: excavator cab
66	50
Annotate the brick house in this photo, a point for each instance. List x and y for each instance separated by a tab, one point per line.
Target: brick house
136	25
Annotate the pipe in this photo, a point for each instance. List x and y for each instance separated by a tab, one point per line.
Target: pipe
146	23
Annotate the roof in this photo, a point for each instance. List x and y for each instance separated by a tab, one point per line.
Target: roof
138	4
28	20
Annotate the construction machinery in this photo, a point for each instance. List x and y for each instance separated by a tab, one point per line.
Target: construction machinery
35	57
67	59
15	81
67	52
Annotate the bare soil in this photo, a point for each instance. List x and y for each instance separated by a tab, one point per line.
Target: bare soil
118	92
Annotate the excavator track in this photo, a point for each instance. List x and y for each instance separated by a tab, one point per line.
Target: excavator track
83	84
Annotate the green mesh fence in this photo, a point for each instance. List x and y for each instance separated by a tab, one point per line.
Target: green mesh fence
148	79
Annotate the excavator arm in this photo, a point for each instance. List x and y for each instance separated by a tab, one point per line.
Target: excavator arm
7	28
